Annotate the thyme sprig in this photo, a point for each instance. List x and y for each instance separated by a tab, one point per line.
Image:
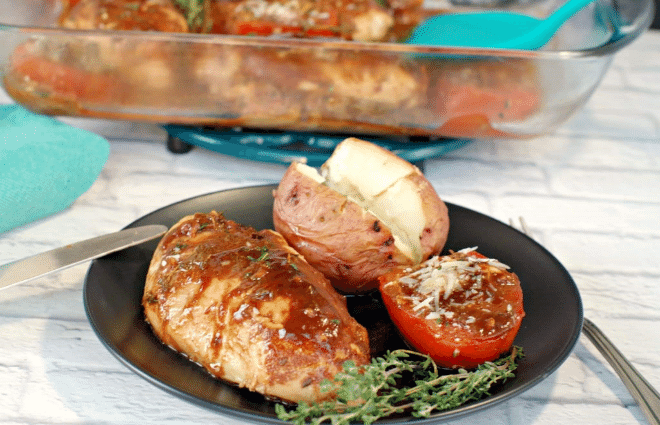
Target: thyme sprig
366	394
196	13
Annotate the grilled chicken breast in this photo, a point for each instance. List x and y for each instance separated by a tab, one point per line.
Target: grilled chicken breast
138	15
249	309
360	20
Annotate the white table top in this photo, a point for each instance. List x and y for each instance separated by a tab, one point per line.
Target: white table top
590	193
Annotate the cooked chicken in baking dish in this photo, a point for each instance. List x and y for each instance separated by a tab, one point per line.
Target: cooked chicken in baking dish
266	82
143	15
362	20
249	309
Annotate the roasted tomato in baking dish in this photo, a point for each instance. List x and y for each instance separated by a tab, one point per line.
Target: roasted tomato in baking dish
478	96
461	309
41	74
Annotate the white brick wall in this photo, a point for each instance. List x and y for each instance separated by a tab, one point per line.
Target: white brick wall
590	193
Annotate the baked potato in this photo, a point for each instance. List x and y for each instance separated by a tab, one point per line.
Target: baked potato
366	212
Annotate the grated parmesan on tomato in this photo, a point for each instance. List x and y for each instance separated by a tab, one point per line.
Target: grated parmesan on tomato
439	285
462	309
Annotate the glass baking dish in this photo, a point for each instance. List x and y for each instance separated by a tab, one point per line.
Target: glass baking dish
316	85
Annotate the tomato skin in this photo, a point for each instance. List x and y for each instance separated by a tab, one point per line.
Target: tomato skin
327	27
469	126
264	28
448	345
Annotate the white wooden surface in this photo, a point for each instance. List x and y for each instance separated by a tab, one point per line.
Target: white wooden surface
590	192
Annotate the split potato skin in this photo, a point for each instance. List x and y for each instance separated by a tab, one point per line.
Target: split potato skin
348	239
349	245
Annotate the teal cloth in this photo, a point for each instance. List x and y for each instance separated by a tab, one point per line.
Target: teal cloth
45	165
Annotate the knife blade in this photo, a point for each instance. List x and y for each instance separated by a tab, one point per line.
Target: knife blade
70	255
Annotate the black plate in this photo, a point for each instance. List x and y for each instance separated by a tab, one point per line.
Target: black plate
114	285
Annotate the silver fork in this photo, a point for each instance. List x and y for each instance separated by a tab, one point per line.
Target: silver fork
644	394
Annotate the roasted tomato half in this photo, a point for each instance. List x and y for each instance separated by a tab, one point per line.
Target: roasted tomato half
461	309
32	67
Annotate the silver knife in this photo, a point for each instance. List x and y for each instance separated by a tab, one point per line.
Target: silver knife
70	255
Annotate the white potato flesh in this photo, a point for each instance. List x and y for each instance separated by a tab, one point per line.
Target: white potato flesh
400	207
309	172
351	169
388	195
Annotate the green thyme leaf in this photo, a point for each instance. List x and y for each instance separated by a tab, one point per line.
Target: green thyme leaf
195	13
263	256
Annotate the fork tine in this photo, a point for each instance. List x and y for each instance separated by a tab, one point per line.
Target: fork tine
523	226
